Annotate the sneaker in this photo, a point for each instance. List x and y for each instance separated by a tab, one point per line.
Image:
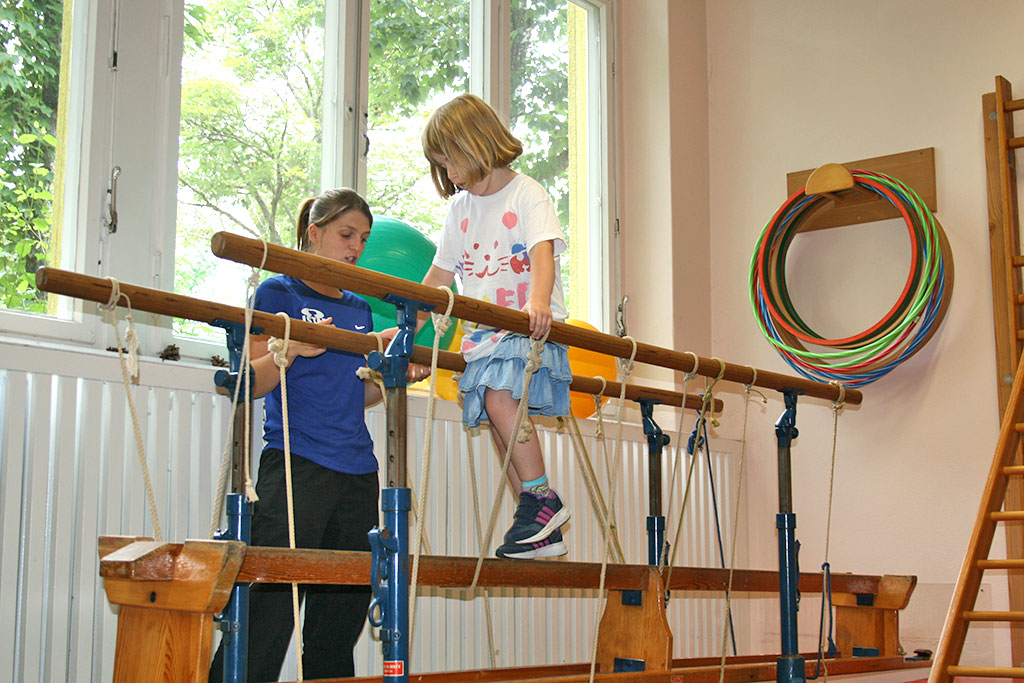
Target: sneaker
552	546
536	518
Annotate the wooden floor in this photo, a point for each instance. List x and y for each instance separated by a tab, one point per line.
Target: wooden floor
744	669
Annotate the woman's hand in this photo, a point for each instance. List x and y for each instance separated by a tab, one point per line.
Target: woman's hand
416	372
304	349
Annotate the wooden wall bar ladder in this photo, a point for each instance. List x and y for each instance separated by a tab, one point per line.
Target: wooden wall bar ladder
1007	292
991	513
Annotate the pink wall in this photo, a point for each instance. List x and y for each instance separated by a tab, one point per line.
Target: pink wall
720	100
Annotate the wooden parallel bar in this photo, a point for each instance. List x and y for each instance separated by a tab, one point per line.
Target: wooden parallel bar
160	302
1013	470
987	671
1018	261
329	272
994	616
740	672
1015	143
1008	516
1014	105
1000	564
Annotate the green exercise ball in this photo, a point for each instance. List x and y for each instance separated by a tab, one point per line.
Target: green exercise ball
398	249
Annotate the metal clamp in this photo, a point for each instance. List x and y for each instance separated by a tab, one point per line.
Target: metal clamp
394	363
382	544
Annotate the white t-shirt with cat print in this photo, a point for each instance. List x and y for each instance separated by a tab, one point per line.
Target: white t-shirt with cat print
486	241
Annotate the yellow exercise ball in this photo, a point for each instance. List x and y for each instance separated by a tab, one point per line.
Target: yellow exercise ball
586	363
446	386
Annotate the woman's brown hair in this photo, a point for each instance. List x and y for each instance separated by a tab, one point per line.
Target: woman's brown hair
324	208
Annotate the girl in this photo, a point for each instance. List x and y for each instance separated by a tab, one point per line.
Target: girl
502	237
334	471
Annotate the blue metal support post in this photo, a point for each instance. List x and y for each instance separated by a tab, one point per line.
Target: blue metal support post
234	621
790	664
656	441
389	568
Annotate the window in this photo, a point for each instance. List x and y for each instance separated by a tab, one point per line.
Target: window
224	114
419	59
36	64
250	137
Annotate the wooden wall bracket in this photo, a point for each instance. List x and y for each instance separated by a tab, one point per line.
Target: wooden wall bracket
852	205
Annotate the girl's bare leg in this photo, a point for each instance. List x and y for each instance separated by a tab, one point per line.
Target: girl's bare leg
510	473
527	460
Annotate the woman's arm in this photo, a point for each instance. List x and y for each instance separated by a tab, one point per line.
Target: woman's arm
542	281
267	376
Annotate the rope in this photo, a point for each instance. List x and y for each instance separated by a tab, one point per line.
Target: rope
244	376
126	376
837	405
491	650
279	348
727	619
441	324
365	373
679	451
707	402
594	487
533	363
625	368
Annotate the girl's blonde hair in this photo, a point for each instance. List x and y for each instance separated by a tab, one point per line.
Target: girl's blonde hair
324	208
468	133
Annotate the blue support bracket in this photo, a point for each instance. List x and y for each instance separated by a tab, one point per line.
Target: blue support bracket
235	342
389	568
389	580
790	665
234	620
656	442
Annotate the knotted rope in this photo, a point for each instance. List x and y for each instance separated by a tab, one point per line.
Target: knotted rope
244	377
279	349
441	321
130	374
707	403
747	390
532	365
625	368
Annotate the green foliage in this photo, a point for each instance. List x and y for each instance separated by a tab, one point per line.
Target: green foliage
250	133
30	32
250	128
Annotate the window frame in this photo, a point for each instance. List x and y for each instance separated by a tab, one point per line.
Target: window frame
101	133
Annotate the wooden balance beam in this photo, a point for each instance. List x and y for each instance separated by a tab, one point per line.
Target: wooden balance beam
168	594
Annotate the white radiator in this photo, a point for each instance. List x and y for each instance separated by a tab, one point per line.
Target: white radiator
69	472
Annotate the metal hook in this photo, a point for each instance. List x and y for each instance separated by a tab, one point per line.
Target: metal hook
110	221
620	317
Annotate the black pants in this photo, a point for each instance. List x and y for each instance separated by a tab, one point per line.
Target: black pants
333	511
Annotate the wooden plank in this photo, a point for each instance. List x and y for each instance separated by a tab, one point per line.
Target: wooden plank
867	627
162	645
282	565
915	169
893	592
200	578
638	632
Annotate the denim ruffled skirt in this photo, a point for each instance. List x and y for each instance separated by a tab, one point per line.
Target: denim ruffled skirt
504	370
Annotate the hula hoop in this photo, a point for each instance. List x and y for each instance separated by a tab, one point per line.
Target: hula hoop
911	321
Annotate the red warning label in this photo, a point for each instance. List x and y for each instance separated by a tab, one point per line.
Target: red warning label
396	668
